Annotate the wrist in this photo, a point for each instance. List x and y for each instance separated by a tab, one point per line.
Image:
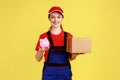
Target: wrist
40	50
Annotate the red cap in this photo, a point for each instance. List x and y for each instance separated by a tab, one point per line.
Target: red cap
56	8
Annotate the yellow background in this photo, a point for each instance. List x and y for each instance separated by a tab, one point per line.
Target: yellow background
22	21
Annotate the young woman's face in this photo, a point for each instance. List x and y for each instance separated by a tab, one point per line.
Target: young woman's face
55	19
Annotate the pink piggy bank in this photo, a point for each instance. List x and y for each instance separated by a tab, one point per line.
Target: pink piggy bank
44	43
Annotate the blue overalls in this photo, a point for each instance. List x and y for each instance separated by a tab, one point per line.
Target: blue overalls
57	65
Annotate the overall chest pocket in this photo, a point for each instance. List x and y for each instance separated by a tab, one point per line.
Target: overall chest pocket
58	56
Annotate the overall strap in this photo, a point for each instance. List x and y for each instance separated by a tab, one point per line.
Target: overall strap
50	38
65	41
65	38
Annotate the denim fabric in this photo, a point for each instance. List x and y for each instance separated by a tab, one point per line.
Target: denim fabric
57	73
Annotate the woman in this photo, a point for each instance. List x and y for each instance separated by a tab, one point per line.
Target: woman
56	65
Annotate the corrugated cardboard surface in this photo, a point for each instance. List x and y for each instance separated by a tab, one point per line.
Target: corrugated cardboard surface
78	45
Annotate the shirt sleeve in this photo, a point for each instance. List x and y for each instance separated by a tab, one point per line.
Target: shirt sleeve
42	36
69	35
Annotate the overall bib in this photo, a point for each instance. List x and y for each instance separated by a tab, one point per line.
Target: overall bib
57	65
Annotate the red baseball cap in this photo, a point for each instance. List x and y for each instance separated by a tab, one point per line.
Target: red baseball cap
56	9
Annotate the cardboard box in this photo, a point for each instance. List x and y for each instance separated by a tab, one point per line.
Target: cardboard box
78	45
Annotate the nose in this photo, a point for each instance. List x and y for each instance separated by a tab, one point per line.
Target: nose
55	19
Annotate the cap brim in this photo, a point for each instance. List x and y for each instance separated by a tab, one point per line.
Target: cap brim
56	11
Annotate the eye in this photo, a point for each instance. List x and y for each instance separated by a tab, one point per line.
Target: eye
59	16
52	17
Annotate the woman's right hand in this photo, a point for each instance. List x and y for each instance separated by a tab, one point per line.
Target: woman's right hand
45	49
39	54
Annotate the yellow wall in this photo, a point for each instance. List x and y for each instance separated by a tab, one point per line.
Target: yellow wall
22	21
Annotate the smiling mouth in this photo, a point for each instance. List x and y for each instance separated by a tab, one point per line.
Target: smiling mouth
55	23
